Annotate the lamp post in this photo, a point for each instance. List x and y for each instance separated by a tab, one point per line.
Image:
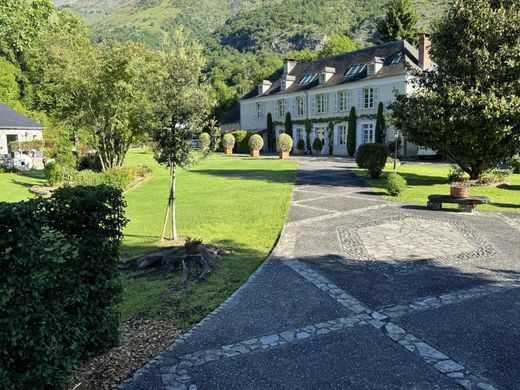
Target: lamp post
395	151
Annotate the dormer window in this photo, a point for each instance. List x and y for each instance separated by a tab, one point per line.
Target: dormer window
326	74
371	69
322	78
375	66
287	81
356	69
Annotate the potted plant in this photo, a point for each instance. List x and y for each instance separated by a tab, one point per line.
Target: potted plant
285	144
256	143
300	145
317	146
459	189
193	246
228	143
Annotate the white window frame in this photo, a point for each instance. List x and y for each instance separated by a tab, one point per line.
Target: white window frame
371	69
343	100
369	98
300	105
280	107
342	134
259	111
368	132
321	103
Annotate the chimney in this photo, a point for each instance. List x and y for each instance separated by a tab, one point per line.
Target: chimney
288	65
424	51
262	88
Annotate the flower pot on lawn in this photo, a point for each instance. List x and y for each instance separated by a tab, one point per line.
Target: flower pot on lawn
229	152
459	190
284	155
254	153
193	247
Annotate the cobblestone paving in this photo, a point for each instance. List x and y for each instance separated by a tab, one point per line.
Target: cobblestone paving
387	240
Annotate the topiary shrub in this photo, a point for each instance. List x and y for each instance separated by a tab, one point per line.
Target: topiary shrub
228	141
300	145
317	145
372	157
285	143
256	142
59	284
456	174
241	140
396	184
52	172
205	141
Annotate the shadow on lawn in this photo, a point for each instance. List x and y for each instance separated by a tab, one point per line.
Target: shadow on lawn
271	176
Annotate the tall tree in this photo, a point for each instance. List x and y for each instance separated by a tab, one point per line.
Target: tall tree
308	131
351	136
184	103
380	124
330	137
288	125
400	22
335	45
270	133
469	107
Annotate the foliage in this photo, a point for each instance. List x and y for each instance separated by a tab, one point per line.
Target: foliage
256	142
390	147
469	107
336	44
331	137
9	88
119	178
456	174
59	259
396	184
308	130
494	177
89	178
270	133
53	173
205	140
285	142
228	141
351	136
372	157
300	145
514	163
288	125
380	124
241	140
317	144
400	22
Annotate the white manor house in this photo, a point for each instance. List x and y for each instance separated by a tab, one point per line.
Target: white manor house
326	90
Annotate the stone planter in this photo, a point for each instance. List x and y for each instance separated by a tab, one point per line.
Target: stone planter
254	153
459	191
229	152
284	155
317	152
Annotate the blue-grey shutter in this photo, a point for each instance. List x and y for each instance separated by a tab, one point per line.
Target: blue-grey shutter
360	99
376	97
313	109
336	101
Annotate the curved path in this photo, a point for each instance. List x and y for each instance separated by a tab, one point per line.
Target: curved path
361	293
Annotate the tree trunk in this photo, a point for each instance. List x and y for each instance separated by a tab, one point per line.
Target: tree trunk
174	219
171	209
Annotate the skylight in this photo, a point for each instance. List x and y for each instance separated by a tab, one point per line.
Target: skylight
309	78
356	69
396	59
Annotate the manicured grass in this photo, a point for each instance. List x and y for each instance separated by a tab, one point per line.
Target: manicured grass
424	180
14	187
239	203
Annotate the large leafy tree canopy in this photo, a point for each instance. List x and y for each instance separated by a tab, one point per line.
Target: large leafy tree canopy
400	22
469	106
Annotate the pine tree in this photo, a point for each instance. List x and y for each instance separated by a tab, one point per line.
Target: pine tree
380	124
399	23
270	133
351	137
288	125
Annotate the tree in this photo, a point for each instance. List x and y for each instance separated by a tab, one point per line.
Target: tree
380	124
469	107
288	125
351	137
400	22
337	44
184	103
308	130
9	88
270	133
331	137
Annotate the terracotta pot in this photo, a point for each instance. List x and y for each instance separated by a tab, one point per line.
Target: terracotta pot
459	192
229	152
194	249
284	155
254	153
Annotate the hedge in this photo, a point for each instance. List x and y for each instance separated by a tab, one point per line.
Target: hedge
59	283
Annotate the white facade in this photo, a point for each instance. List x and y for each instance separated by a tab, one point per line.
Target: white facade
8	135
320	105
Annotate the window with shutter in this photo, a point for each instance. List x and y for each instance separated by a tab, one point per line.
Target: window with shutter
360	99
313	107
376	97
336	98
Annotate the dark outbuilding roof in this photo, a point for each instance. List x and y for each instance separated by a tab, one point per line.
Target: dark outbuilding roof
232	116
11	119
395	56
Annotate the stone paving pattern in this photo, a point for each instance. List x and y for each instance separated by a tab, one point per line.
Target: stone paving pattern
361	293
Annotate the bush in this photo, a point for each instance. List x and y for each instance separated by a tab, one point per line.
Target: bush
91	162
59	284
317	144
285	142
89	178
514	164
52	172
396	184
372	157
241	140
143	171
228	141
300	145
456	174
205	140
256	142
119	178
494	177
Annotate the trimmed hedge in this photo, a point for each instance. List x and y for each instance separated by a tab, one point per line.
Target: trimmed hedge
256	142
285	142
372	157
228	141
396	184
59	283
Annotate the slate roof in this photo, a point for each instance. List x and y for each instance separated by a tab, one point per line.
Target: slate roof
342	63
232	116
11	119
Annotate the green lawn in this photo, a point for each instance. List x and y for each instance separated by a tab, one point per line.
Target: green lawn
15	187
424	180
240	203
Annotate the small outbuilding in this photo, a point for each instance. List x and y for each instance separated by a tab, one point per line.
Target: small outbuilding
16	127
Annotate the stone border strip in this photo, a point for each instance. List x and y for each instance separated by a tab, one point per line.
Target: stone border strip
433	357
346	195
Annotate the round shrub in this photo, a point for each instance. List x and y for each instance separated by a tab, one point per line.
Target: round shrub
52	172
205	140
89	178
372	157
119	178
228	141
300	145
285	142
396	184
256	142
317	144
